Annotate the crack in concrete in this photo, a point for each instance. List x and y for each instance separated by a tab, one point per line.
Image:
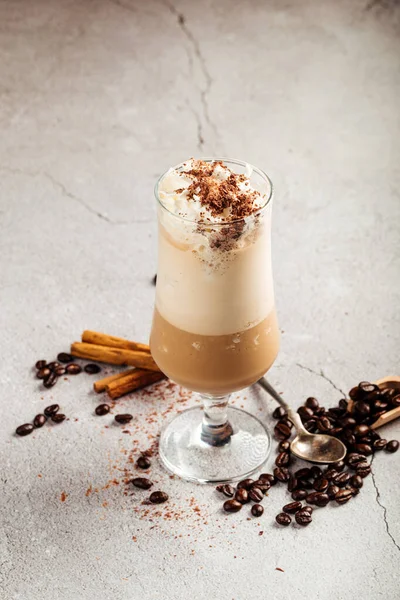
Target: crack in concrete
322	374
68	194
200	138
383	507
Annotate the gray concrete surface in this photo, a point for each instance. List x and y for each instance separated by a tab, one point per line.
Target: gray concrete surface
96	99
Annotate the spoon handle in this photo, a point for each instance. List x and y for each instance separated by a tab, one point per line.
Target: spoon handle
292	415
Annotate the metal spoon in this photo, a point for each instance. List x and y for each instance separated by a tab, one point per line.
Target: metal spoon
316	448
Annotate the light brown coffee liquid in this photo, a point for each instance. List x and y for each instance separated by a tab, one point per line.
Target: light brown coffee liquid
215	364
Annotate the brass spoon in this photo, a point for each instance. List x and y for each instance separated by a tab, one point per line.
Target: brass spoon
313	447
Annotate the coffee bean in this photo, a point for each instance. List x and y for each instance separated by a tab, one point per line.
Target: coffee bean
321	484
279	412
39	420
283	519
245	484
348	437
282	474
242	496
160	497
321	499
308	508
73	369
232	506
379	444
123	419
395	401
312	403
335	431
226	489
283	459
59	371
312	498
341	479
292	483
320	411
292	507
40	364
332	491
330	474
268	477
51	410
255	494
65	358
285	421
92	368
380	405
363	469
102	409
311	425
58	418
24	429
299	494
363	449
366	388
392	446
353	393
324	424
343	404
348	421
354	458
143	462
305	413
361	430
315	472
43	373
142	482
339	466
303	517
305	483
362	409
356	481
257	510
282	431
261	484
284	446
354	491
304	473
50	380
53	365
343	496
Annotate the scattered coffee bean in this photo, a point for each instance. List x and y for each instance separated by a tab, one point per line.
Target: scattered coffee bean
279	412
362	409
332	491
268	477
303	517
283	519
343	496
299	494
354	458
39	420
102	409
255	494
65	358
363	469
312	498
304	473
356	481
59	371
339	466
58	418
309	508
363	449
43	373
283	459
50	380
282	431
321	484
257	510
123	419
312	403
392	446
324	424
282	474
73	369
305	413
40	364
379	444
367	388
292	507
24	429
92	368
232	506
51	410
53	365
245	484
321	499
242	496
160	497
226	489
284	446
361	430
143	462
293	483
315	472
262	484
341	479
142	482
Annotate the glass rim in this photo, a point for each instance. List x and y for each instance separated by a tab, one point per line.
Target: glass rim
219	223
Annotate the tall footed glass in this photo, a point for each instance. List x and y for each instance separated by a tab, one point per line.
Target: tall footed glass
215	332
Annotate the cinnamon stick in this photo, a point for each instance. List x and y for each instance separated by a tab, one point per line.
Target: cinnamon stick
101	384
114	356
102	339
133	381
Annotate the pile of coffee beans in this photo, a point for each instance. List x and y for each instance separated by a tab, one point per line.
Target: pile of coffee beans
64	365
50	412
339	482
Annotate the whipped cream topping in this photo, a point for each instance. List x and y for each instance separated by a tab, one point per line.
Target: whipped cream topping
209	192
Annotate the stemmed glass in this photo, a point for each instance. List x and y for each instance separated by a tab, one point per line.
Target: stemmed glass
215	332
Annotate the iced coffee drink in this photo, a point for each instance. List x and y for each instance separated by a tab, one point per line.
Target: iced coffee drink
214	329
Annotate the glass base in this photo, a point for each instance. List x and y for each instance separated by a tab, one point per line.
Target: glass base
185	453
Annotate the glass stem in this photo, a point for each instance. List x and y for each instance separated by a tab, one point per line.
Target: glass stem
216	429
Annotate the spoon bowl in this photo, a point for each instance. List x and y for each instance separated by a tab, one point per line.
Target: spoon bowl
318	448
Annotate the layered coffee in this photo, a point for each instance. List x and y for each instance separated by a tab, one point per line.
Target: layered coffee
215	329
